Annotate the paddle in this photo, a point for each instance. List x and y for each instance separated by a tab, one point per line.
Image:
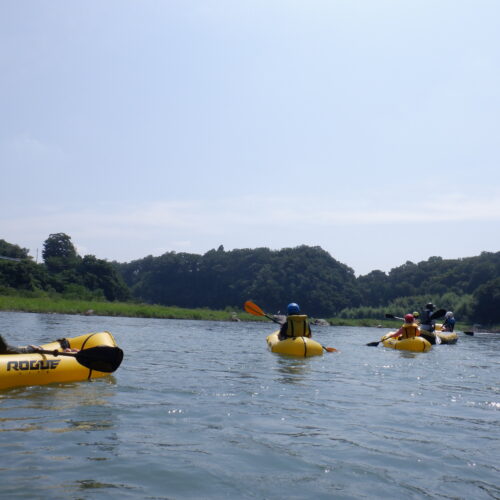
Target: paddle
469	333
435	315
252	308
438	314
101	358
391	316
375	344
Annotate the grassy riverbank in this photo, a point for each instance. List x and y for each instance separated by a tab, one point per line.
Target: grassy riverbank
98	308
50	305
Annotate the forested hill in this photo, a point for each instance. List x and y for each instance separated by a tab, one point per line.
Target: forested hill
435	276
217	279
310	276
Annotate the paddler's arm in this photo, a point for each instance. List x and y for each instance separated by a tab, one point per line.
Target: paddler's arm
27	349
8	349
396	334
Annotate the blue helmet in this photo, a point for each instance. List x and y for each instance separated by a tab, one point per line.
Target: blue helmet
293	308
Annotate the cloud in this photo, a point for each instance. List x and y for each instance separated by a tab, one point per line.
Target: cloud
128	231
110	220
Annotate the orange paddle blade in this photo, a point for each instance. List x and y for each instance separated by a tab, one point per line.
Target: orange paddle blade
254	309
329	349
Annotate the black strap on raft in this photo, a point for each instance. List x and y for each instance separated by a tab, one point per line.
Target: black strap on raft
86	340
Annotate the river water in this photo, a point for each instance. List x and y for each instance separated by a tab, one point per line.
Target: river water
202	410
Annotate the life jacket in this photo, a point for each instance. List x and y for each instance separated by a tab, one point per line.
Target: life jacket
426	323
425	317
410	330
298	326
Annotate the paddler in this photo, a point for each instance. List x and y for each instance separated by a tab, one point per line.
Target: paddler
449	322
28	349
426	323
416	315
408	330
296	324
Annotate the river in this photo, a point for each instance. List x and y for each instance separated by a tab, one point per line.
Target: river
202	410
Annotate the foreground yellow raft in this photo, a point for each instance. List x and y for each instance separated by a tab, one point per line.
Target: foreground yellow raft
40	369
416	344
297	346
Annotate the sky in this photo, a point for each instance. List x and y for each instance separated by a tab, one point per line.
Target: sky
370	128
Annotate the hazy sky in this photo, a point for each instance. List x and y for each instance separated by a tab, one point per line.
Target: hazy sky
368	127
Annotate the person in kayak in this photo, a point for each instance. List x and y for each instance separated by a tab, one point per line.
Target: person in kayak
449	322
426	323
8	349
408	330
296	325
28	349
416	316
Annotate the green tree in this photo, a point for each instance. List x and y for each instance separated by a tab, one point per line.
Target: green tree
23	275
486	305
99	275
59	253
12	251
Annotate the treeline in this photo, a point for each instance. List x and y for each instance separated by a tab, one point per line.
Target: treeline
469	286
218	279
63	272
323	286
308	275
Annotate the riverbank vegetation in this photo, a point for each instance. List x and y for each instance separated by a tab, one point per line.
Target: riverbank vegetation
58	305
223	280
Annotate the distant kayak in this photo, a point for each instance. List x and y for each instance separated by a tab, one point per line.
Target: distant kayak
296	346
416	344
445	337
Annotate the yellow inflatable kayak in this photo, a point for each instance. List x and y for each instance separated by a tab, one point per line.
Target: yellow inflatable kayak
97	356
448	337
297	346
416	344
445	337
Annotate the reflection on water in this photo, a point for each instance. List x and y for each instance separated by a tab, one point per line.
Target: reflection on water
408	354
84	426
292	369
26	409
